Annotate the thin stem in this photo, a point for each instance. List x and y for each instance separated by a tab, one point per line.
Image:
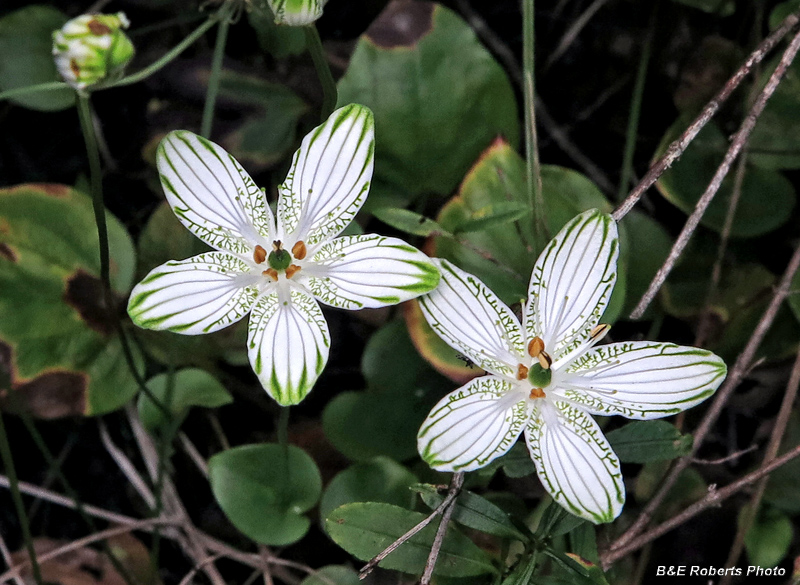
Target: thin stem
636	108
214	77
740	369
8	463
283	426
455	488
96	180
451	495
676	149
329	95
170	55
713	498
19	91
781	423
534	171
737	144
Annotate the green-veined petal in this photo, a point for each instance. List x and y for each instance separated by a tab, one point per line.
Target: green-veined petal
356	272
330	176
642	379
572	282
574	461
212	195
473	425
471	319
198	295
288	343
296	12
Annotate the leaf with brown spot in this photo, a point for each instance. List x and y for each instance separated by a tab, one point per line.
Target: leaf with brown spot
402	24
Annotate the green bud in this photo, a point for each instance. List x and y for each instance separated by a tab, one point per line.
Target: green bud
92	48
539	377
296	12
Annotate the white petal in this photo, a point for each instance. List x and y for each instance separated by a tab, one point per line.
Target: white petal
574	461
356	272
642	379
288	343
198	295
330	176
471	319
572	282
211	193
470	427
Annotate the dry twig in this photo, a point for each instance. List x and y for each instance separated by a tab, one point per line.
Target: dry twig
455	489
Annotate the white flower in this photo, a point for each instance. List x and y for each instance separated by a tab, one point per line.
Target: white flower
546	376
296	12
92	48
275	267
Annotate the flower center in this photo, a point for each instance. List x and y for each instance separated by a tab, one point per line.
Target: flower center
539	377
280	259
539	374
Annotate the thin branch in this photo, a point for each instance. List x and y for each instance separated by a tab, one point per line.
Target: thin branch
7	558
739	140
573	31
725	459
125	466
198	460
455	488
781	423
451	495
676	149
197	568
149	523
713	498
735	376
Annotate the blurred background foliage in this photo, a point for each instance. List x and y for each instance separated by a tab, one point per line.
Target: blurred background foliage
444	82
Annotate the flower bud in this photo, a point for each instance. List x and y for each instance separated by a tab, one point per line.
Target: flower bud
296	12
92	48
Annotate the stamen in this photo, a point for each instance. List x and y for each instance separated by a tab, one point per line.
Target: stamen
545	360
522	372
299	250
535	347
272	273
259	254
537	393
599	332
292	270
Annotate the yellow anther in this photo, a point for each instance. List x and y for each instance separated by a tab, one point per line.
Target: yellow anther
535	347
522	372
599	331
272	273
292	270
537	393
259	254
545	360
299	250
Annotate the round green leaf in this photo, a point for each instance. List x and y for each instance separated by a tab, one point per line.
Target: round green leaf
685	181
55	327
775	141
178	393
265	489
769	538
379	480
413	54
366	529
648	246
389	362
26	58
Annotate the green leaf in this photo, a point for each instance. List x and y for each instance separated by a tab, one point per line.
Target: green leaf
685	181
781	491
391	364
774	143
379	480
556	520
185	389
650	440
363	425
474	511
26	57
365	529
411	56
265	489
268	134
515	464
781	11
55	328
648	245
769	538
408	222
494	215
333	575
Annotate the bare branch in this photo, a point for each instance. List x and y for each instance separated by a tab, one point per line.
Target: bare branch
736	146
455	488
675	150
